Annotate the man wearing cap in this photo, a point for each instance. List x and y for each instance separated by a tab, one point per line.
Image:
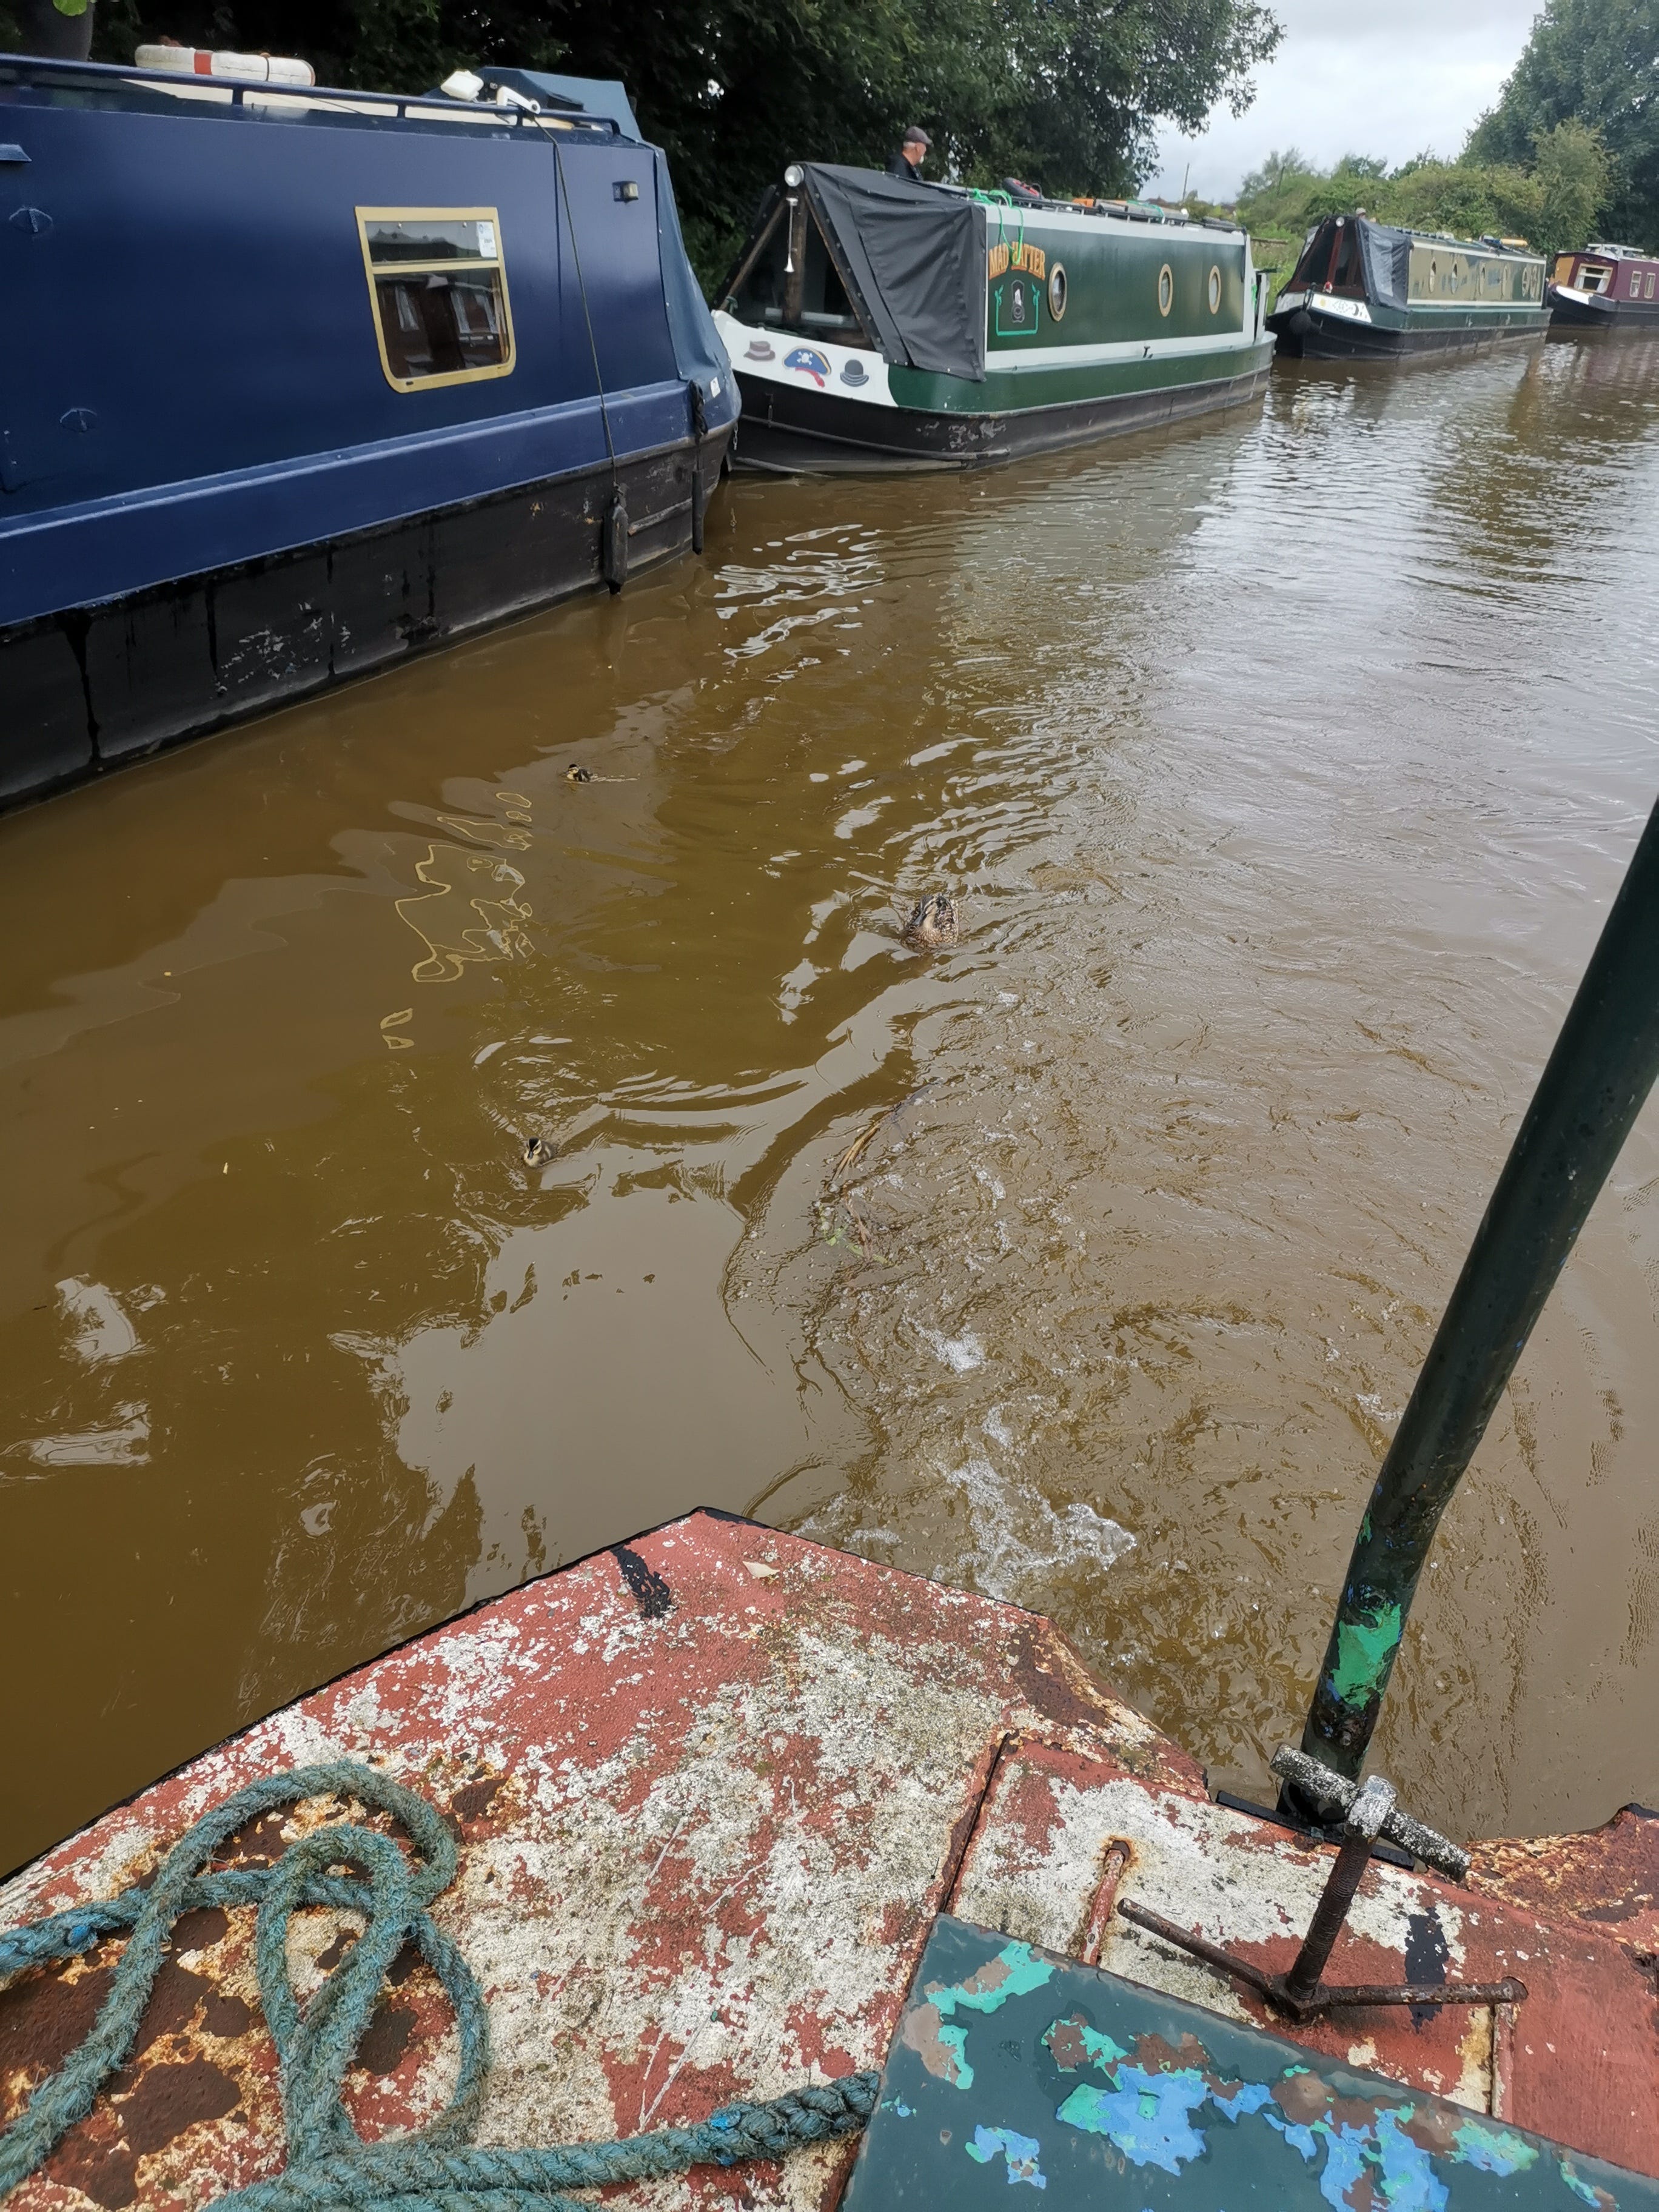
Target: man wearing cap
908	161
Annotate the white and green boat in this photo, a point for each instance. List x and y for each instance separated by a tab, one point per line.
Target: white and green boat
877	323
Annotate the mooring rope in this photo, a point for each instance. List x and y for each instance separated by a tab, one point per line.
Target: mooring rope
438	2169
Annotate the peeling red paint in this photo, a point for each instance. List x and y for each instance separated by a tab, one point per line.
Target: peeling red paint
1609	1875
701	1846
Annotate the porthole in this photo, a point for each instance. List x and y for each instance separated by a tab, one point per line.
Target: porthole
1215	291
1057	291
1165	290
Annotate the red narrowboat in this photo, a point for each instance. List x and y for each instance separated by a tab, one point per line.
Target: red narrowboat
1605	288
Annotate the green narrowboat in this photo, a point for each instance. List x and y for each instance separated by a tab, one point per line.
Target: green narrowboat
1364	291
874	322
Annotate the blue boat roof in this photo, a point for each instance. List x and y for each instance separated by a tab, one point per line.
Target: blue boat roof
581	104
604	96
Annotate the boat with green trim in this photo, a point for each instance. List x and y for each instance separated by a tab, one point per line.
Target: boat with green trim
1363	290
877	323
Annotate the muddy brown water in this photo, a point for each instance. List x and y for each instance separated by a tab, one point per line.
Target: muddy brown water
1284	768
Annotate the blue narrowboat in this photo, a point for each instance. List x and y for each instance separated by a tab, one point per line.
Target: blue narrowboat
297	382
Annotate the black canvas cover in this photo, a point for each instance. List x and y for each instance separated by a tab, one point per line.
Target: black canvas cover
1387	263
915	256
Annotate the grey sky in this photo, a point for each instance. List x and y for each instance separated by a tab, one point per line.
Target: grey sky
1360	77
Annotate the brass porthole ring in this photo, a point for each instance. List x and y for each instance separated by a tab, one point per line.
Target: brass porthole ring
1215	290
1057	291
1165	290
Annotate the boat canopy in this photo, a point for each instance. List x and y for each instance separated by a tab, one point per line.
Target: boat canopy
913	260
698	354
1387	263
1351	254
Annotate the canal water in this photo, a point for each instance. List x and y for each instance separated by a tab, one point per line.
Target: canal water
1283	769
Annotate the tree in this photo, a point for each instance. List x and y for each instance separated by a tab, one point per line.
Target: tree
1275	172
1067	92
1596	63
1469	200
1573	174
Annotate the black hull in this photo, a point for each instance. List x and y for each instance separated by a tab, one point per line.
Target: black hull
93	687
1324	337
1594	314
791	430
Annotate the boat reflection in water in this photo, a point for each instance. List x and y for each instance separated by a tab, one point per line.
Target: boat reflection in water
319	379
876	322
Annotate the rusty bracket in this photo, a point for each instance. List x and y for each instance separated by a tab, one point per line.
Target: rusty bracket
1299	1990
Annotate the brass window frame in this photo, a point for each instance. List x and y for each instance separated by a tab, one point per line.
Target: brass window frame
365	215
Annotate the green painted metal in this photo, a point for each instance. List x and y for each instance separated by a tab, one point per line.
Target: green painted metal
1055	384
1603	1068
1113	281
1013	2068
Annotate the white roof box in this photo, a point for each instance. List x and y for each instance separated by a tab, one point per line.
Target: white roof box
256	69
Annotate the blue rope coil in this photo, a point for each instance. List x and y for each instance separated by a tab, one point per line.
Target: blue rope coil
438	2169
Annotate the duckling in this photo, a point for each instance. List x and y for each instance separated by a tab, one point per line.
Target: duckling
576	774
932	923
538	1152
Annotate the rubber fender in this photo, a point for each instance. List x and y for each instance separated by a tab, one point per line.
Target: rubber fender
614	550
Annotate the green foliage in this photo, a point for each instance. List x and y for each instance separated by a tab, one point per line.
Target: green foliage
1574	177
1552	201
1274	172
1065	92
1468	201
1594	63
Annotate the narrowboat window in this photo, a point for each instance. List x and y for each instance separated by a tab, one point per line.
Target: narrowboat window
1215	291
1165	290
438	284
1310	268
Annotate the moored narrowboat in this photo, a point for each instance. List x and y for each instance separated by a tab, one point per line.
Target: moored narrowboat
300	381
1364	290
876	322
1605	288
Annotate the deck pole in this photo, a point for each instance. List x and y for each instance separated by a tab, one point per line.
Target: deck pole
1592	1089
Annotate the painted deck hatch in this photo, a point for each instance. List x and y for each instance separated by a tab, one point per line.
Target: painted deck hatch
1014	2067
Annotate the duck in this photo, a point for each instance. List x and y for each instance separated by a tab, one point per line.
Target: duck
538	1152
933	924
577	773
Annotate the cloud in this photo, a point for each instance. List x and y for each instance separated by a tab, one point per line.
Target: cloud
1385	77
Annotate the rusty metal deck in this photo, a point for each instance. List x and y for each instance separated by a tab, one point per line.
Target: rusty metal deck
712	1791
